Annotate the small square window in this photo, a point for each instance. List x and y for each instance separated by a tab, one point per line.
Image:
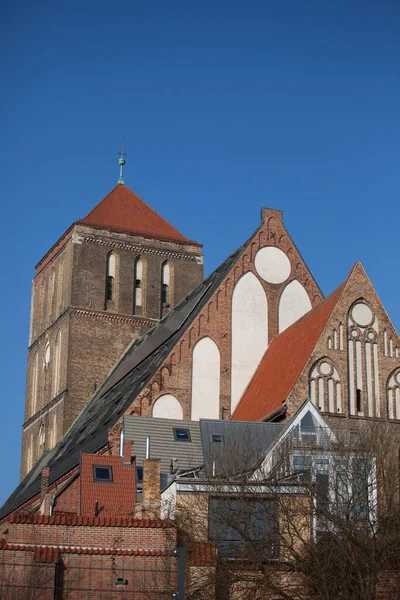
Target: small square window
182	435
102	473
217	438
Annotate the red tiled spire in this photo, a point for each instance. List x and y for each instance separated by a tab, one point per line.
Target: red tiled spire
121	210
283	363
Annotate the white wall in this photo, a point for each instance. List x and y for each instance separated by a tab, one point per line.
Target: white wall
205	380
167	407
249	332
293	304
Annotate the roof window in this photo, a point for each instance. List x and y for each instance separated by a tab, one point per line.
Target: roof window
217	438
182	435
102	473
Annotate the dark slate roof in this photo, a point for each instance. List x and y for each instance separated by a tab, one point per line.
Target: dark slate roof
135	369
163	445
243	446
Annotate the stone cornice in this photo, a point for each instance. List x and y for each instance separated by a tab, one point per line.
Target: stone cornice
137	247
106	316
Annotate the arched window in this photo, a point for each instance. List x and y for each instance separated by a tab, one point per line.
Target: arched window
167	407
60	285
362	334
393	395
57	365
165	286
35	381
138	286
325	389
110	280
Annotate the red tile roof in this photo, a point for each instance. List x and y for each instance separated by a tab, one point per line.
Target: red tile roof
121	210
79	521
51	554
283	363
114	498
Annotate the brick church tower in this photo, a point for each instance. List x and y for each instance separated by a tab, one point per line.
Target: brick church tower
108	279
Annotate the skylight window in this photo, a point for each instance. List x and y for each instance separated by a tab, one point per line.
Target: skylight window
102	473
217	438
182	435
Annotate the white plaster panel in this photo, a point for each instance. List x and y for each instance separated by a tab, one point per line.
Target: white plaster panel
293	304
249	332
205	380
167	407
362	314
272	265
111	265
165	273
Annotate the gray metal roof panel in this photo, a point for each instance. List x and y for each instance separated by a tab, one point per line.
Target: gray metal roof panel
163	444
244	446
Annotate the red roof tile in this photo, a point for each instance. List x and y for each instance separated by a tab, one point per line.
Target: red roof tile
283	363
121	210
80	521
50	554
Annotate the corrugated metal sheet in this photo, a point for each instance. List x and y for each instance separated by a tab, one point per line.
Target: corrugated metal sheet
163	444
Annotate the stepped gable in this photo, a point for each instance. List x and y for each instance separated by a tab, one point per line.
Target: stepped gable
283	362
122	210
142	359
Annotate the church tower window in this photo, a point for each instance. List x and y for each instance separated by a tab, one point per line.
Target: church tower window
111	281
165	286
57	365
139	285
35	382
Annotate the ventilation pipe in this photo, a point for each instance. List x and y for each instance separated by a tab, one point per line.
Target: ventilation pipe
147	446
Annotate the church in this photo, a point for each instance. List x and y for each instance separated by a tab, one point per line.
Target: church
122	323
129	342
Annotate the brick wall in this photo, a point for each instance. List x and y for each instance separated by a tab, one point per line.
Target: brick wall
175	375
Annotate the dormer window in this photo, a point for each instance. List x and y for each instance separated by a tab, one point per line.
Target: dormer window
182	435
102	473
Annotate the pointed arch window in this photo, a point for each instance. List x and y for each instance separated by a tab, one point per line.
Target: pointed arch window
110	281
165	286
325	388
57	364
363	363
139	286
35	381
393	395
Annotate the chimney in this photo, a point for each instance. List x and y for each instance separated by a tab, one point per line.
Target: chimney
127	453
151	498
44	491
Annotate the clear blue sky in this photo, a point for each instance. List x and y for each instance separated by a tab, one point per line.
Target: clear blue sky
225	107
